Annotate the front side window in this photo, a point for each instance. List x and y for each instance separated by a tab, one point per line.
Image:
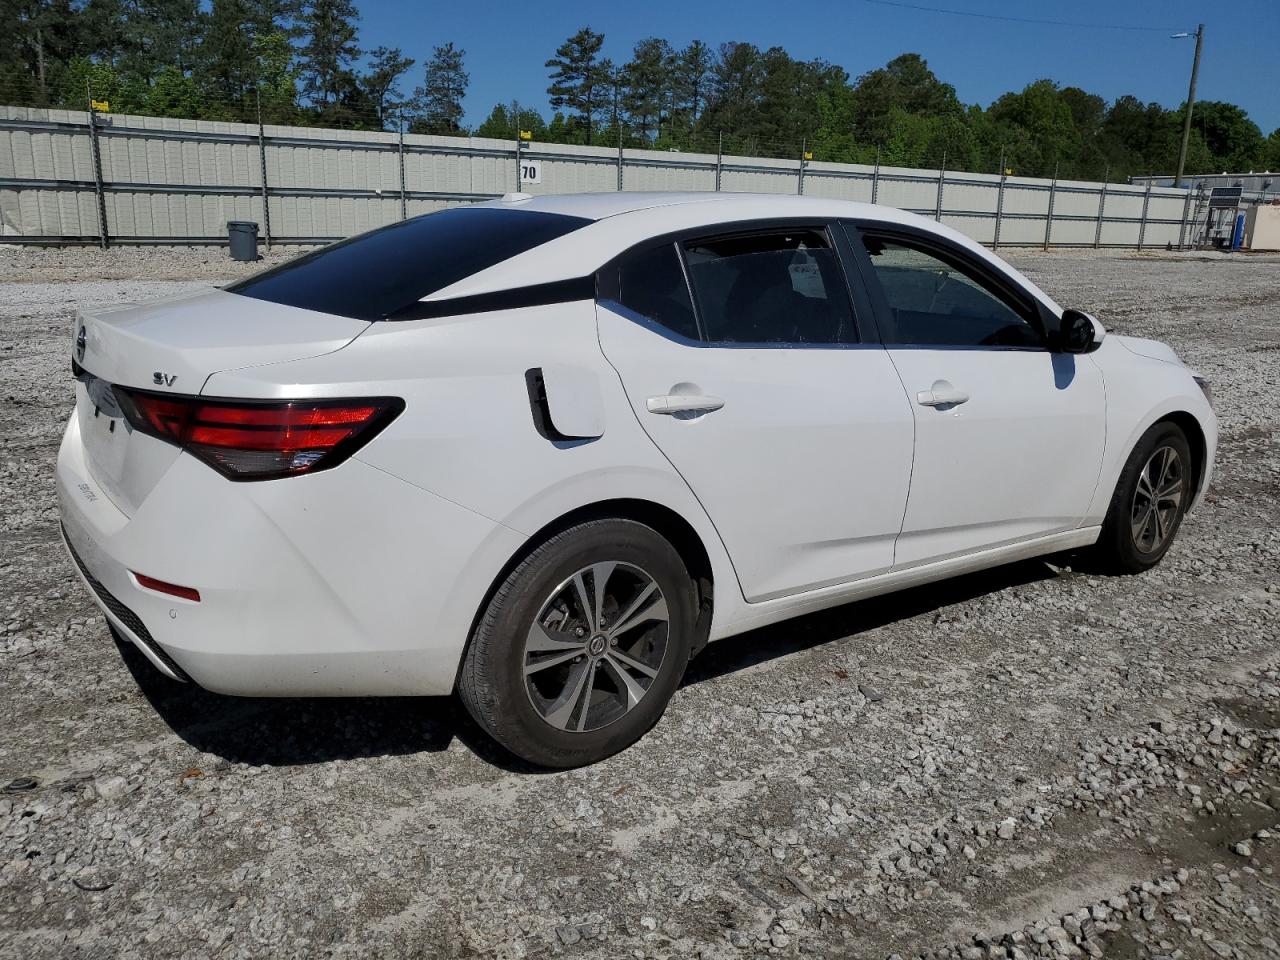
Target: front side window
375	274
933	302
782	286
651	282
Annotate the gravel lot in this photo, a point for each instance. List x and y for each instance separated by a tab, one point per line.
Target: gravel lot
1036	761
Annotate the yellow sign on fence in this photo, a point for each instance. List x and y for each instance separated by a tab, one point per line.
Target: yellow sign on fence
102	106
526	134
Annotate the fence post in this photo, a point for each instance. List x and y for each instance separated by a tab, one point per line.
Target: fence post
96	151
1186	212
1142	227
995	245
875	179
619	158
800	176
1102	208
942	180
719	158
262	161
519	172
404	208
1053	195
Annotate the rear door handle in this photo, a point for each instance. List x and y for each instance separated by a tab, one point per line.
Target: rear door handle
673	403
941	394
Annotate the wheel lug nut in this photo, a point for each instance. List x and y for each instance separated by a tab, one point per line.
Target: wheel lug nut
580	632
613	641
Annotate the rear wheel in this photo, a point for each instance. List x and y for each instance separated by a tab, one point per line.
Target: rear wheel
1153	494
582	645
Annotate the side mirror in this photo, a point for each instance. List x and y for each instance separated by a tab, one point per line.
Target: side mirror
1078	332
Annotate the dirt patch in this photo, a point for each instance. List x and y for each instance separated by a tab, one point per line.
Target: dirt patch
967	766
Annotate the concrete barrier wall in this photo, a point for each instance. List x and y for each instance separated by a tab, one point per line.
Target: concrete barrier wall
157	180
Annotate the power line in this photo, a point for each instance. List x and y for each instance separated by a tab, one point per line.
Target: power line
995	16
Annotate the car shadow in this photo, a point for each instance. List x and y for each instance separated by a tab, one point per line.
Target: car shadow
292	731
849	621
307	730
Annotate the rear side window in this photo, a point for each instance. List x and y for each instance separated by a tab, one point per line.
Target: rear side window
937	302
371	276
651	282
775	287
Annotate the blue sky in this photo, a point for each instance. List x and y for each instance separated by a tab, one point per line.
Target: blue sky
507	43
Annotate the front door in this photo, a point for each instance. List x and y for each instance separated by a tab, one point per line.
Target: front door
1009	434
794	435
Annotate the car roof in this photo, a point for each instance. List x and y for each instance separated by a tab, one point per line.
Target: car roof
601	206
623	219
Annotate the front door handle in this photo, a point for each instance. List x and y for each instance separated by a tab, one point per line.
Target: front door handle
941	394
673	403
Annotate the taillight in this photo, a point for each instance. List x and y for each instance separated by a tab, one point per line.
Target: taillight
163	586
250	440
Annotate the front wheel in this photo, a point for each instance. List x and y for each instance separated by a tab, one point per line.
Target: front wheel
1153	494
582	645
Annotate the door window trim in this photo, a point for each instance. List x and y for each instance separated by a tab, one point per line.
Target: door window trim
861	308
1003	288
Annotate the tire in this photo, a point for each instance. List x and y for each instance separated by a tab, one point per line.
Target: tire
542	716
1134	537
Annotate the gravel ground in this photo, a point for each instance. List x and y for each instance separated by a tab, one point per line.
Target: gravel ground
1035	761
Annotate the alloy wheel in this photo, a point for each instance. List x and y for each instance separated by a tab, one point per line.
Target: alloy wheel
1157	498
596	646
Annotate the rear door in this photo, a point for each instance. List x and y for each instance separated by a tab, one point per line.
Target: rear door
1009	434
743	358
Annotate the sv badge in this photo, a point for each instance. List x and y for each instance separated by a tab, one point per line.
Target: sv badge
163	379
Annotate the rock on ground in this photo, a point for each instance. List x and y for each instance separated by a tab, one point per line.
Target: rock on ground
1036	761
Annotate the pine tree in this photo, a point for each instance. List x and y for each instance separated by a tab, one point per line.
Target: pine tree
160	34
227	69
575	74
438	102
693	82
330	51
386	68
647	79
735	94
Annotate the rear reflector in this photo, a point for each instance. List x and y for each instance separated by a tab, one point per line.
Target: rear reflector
250	440
151	583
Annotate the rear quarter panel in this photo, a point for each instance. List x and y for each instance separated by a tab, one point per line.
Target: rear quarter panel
467	433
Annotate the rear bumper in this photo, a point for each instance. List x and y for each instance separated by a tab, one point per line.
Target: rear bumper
346	583
124	619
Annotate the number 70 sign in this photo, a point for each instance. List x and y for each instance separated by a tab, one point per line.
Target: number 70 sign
530	171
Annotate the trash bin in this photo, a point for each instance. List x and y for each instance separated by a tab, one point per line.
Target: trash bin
243	235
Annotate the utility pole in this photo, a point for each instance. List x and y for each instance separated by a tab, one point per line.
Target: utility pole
1191	102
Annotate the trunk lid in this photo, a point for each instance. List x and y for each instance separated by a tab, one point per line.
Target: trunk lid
174	346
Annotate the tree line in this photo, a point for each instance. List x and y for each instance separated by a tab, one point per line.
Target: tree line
300	62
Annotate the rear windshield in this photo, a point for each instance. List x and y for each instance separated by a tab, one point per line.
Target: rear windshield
371	276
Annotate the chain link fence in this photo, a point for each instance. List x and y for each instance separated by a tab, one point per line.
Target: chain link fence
75	177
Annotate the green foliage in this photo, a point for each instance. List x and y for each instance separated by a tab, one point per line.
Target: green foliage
172	94
1234	141
1271	152
504	122
329	52
438	102
299	62
277	77
380	83
648	86
905	83
575	75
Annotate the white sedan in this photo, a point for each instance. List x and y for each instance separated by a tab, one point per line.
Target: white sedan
541	450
